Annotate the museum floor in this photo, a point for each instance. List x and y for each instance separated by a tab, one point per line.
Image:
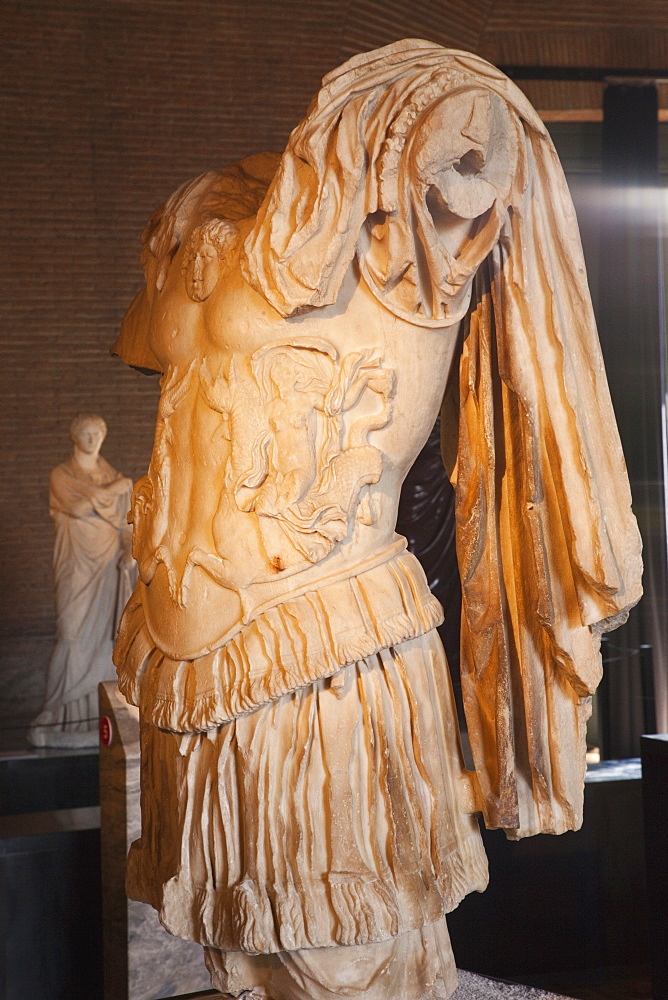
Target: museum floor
611	983
619	983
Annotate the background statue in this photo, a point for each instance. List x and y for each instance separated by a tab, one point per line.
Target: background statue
94	573
307	815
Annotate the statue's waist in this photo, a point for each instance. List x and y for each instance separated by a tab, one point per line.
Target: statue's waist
214	614
281	642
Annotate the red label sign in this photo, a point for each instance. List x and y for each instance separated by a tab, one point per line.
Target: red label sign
106	732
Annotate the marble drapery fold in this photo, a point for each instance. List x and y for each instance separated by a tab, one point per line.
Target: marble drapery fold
549	550
316	820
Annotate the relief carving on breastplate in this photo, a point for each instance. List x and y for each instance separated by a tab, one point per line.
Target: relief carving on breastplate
296	419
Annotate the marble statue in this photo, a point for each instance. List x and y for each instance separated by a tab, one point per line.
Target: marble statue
307	815
94	574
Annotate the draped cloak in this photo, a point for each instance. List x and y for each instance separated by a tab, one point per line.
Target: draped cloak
548	549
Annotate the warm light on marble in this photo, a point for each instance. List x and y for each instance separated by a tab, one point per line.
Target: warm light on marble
306	812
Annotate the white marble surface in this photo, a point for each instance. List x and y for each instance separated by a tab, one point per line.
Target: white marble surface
93	574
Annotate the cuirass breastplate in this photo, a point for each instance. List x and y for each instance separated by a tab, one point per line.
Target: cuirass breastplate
280	449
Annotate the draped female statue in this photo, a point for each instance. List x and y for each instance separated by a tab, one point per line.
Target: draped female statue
93	578
306	811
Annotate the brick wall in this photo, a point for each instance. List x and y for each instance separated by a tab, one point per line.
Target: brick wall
106	107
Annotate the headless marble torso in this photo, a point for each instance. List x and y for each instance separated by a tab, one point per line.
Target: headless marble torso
280	448
294	698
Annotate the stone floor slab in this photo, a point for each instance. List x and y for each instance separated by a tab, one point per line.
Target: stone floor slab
471	987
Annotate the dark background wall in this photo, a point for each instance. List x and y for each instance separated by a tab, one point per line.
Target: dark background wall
105	107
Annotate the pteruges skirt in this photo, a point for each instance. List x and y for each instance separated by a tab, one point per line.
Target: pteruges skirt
334	815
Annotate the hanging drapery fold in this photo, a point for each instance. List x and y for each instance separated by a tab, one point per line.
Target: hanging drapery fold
548	548
547	544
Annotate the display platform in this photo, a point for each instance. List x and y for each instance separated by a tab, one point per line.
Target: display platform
33	781
471	987
655	798
50	907
614	770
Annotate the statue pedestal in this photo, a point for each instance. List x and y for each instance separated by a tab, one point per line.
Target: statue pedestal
655	798
50	904
141	960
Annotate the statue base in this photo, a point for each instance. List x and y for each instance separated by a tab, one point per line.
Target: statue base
43	737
